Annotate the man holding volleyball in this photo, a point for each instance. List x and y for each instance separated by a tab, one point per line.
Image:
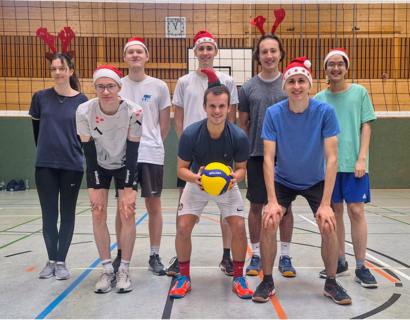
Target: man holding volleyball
213	139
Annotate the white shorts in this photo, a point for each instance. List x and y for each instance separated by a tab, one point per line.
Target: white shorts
194	200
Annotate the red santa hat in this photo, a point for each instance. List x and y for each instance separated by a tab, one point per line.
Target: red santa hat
333	52
202	37
134	41
298	66
108	72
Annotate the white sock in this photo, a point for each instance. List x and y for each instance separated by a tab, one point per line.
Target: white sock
61	262
255	249
285	248
125	264
51	261
154	250
107	264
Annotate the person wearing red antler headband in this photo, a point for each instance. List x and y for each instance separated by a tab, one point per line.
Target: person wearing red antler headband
302	133
59	160
354	112
255	96
188	101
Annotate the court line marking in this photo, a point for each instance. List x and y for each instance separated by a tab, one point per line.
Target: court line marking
275	302
30	269
371	257
63	295
6	245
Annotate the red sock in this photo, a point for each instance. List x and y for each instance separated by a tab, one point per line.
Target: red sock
238	269
184	266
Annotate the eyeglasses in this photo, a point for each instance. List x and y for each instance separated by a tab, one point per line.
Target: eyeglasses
110	88
340	65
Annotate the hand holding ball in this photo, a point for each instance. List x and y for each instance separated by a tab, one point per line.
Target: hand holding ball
216	178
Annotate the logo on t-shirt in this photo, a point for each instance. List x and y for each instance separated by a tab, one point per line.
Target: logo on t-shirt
146	97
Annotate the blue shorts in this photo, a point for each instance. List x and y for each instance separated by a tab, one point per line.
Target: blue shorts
351	189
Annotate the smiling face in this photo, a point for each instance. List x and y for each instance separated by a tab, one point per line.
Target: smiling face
60	72
336	68
205	53
110	93
217	108
297	87
136	56
269	54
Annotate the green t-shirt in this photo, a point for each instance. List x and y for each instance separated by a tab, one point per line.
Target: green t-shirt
353	108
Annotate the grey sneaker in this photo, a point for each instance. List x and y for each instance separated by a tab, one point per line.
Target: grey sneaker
173	269
62	272
106	282
156	266
123	281
342	270
48	271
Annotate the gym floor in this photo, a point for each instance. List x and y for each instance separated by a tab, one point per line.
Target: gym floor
23	255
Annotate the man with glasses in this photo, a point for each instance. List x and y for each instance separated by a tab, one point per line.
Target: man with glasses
354	113
153	96
110	129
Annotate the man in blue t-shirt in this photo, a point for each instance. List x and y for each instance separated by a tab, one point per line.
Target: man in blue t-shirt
301	132
213	139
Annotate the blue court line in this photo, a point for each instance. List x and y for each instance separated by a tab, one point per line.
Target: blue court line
62	296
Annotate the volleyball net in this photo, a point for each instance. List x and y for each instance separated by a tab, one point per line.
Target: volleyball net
376	36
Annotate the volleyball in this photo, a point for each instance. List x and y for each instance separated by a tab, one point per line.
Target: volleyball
216	178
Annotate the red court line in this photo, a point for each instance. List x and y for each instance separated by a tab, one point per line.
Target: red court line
273	298
381	273
31	269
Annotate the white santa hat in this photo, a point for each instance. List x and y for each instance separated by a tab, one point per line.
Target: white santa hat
107	71
134	41
333	52
298	66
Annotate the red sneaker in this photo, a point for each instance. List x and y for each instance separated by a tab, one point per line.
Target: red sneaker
181	287
241	287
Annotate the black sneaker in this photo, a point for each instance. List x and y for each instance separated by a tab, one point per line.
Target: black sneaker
342	270
227	266
173	269
264	291
156	266
336	292
365	278
116	264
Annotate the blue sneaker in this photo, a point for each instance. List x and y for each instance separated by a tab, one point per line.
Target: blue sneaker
285	267
255	266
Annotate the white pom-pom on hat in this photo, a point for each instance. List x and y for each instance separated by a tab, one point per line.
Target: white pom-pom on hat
307	64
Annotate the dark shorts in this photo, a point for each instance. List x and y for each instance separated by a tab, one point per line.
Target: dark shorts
181	183
313	195
351	189
106	176
150	177
256	182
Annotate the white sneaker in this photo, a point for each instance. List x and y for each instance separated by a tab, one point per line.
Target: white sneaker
124	281
106	282
61	272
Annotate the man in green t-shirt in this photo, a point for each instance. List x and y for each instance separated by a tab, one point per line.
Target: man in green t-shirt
354	112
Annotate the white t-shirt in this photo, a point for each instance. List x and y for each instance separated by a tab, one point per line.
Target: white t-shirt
153	96
189	94
109	132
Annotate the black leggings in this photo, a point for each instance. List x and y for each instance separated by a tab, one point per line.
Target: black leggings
50	183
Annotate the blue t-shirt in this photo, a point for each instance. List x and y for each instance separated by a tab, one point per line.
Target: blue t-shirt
300	141
196	145
58	145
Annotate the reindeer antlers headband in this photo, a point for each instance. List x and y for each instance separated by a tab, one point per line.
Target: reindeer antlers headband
66	36
260	20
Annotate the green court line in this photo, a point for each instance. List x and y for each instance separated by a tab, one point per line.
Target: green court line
6	245
388	209
392	219
20	224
